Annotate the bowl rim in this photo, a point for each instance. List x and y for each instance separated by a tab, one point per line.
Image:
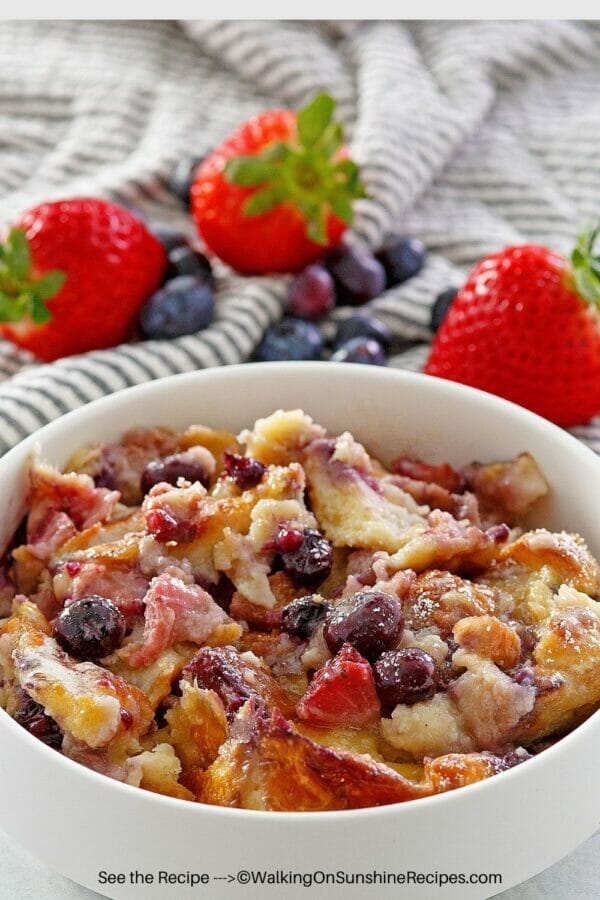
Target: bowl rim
559	748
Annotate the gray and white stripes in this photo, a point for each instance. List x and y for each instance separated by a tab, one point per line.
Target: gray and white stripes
471	135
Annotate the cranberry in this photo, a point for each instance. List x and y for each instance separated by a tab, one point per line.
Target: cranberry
302	616
524	675
126	719
171	469
405	676
370	620
164	526
221	669
32	717
288	539
312	561
245	471
499	533
90	628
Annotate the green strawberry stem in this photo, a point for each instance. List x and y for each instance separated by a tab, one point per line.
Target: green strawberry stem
586	266
22	295
306	172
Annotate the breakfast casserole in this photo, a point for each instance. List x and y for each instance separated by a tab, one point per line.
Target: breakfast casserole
278	621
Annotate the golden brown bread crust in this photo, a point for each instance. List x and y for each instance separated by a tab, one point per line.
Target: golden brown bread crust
276	768
567	659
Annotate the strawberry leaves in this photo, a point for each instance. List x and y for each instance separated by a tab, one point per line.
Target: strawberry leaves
586	266
22	295
314	119
308	172
16	254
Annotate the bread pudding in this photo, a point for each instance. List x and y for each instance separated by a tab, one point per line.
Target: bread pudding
279	621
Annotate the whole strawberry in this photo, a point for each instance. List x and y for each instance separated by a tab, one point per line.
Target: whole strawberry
526	327
73	275
278	192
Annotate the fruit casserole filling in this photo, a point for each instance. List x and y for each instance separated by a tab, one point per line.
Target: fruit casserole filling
278	621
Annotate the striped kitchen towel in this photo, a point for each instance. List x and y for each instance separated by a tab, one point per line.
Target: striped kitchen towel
471	135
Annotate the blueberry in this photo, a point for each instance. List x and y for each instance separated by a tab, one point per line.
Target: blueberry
169	237
32	717
183	306
302	616
402	259
183	178
311	562
370	620
246	471
290	339
183	260
172	468
360	350
441	306
312	293
360	325
358	275
405	676
90	628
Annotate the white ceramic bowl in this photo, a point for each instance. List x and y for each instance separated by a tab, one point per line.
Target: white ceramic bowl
515	824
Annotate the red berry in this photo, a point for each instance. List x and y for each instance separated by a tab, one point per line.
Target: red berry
162	525
235	678
110	264
341	693
264	200
288	539
222	670
520	328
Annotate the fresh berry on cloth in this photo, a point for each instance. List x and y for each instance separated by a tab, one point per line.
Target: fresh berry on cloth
526	326
73	275
279	191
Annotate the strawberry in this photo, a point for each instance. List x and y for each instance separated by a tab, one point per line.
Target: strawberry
73	275
278	192
526	326
341	693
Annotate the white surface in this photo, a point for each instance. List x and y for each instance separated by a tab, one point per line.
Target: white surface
516	823
576	877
